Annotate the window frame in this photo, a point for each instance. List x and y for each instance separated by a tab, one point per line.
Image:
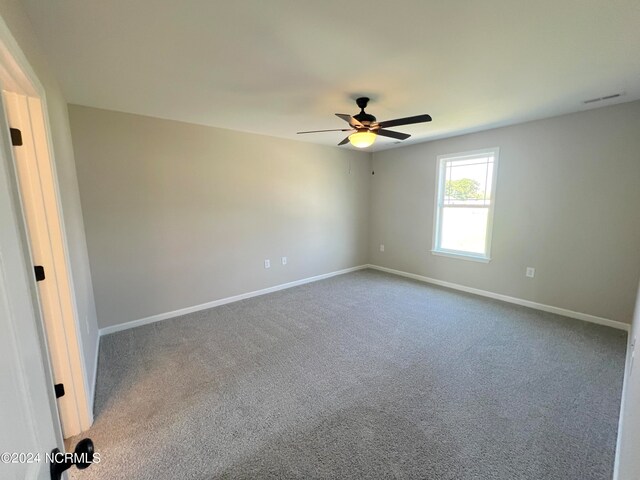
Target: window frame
439	205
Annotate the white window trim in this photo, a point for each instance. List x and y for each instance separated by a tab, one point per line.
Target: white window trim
440	174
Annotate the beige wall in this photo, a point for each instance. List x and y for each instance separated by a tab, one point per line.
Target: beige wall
568	199
20	27
178	215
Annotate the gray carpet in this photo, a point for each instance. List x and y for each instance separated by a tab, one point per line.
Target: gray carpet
365	375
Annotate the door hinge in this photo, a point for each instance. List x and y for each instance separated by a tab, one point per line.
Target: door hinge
16	137
59	388
39	271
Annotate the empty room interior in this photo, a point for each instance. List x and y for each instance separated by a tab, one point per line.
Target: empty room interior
320	240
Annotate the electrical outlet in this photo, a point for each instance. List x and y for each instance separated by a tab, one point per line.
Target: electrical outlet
531	272
284	260
382	247
267	264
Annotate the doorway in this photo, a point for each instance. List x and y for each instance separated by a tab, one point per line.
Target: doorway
23	108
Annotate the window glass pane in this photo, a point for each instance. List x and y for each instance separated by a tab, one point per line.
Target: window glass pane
464	229
468	182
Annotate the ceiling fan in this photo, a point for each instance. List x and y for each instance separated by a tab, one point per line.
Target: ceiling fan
365	128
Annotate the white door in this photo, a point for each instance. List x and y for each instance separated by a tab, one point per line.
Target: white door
29	425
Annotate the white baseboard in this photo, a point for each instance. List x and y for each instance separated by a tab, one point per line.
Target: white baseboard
184	311
518	301
505	298
95	377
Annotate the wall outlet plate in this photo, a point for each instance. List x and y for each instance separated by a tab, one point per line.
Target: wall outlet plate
284	260
267	264
382	247
531	272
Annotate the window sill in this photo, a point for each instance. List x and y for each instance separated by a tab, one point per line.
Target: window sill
461	256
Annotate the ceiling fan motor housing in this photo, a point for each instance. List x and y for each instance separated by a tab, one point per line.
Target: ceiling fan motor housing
364	117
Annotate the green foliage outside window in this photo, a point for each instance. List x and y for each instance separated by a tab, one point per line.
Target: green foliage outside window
463	189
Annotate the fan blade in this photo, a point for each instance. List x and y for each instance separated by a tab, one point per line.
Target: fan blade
350	120
333	130
405	121
345	141
392	134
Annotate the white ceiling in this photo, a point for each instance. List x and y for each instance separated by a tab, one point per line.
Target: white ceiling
279	66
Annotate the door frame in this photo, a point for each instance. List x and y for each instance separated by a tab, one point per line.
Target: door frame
17	76
30	417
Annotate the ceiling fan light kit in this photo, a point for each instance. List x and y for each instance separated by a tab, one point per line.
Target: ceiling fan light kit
362	139
366	129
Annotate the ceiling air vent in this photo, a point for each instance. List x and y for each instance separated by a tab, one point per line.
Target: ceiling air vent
601	99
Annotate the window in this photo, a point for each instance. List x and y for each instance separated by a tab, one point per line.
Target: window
464	204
